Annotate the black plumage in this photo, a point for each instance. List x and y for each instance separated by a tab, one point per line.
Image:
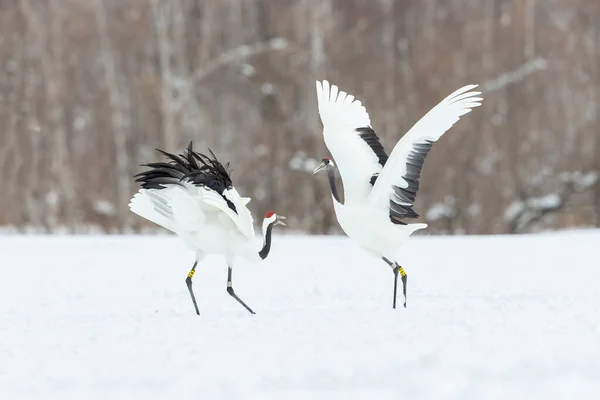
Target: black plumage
189	166
374	179
401	202
370	137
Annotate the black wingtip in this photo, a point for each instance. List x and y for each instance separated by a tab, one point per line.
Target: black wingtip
198	168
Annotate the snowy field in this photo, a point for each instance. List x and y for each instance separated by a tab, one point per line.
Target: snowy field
109	317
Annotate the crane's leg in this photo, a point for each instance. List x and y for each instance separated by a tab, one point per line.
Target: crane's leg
397	269
188	281
232	293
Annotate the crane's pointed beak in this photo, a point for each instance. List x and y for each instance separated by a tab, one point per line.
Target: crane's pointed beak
319	168
278	220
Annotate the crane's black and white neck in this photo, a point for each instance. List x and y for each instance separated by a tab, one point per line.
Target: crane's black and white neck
328	164
271	220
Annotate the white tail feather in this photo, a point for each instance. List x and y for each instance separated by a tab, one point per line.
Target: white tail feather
409	229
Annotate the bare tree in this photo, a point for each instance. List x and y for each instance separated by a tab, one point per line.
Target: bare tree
117	116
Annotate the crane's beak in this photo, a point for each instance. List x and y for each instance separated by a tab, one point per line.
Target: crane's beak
278	220
320	168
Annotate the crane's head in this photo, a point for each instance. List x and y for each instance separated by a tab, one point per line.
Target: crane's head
325	163
272	218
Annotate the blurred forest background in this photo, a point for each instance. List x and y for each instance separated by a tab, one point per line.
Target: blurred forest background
89	88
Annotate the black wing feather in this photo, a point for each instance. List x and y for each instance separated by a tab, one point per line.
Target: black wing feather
402	201
190	166
370	137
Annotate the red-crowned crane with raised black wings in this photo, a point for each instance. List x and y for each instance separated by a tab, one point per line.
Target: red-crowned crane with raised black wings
192	195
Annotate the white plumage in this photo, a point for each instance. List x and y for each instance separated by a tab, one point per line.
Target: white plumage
201	218
379	191
193	197
341	115
429	128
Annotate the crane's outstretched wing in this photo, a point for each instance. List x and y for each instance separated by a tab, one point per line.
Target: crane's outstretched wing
176	207
188	208
397	185
351	140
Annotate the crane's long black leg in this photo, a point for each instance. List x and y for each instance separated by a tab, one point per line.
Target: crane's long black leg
232	293
397	269
395	285
400	270
188	281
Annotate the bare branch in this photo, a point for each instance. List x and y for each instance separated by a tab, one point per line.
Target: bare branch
524	214
515	76
236	55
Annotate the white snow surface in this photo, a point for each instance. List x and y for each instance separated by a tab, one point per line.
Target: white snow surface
490	317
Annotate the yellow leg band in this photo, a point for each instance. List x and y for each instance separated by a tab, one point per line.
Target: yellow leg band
191	274
401	270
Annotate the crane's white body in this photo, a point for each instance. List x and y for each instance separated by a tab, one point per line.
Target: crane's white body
373	231
202	219
364	215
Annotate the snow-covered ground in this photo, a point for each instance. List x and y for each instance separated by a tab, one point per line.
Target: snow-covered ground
109	317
